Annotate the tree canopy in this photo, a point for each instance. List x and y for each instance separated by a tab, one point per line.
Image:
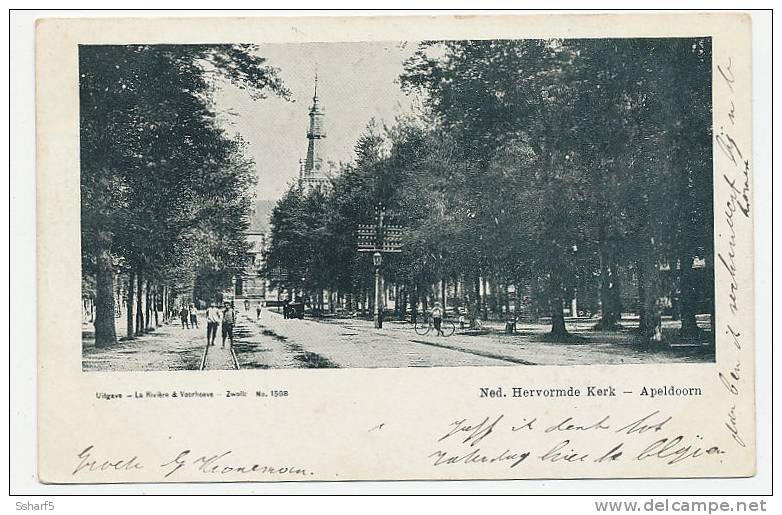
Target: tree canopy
555	166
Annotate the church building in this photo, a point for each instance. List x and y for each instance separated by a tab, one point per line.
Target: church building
314	173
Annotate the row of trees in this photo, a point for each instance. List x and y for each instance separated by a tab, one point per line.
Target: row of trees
165	192
542	164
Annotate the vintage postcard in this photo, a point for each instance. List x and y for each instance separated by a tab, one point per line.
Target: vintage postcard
395	248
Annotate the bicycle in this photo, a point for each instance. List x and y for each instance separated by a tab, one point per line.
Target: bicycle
423	328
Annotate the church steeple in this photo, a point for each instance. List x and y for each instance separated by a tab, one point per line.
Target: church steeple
312	173
316	117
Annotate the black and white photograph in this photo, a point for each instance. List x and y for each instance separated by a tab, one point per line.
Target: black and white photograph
430	251
445	203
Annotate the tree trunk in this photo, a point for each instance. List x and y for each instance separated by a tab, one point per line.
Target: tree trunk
616	294
500	294
642	316
495	302
443	287
485	297
414	304
650	321
139	304
557	299
164	300
154	304
129	293
458	291
687	299
118	298
403	302
476	304
557	314
105	330
148	307
610	298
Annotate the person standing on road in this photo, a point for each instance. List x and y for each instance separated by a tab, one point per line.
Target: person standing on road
183	316
229	319
213	318
437	318
193	316
246	305
258	310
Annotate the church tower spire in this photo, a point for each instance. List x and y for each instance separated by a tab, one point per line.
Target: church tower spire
312	173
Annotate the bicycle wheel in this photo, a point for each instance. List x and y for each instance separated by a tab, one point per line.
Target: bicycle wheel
448	327
421	327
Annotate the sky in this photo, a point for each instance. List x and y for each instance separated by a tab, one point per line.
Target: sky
356	82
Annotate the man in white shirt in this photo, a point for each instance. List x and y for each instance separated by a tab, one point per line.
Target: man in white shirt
213	318
193	316
437	318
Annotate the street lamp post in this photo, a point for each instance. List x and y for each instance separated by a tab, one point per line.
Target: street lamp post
379	238
377	260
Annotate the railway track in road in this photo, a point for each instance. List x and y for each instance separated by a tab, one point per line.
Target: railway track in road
219	358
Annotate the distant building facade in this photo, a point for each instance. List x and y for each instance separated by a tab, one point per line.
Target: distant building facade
252	283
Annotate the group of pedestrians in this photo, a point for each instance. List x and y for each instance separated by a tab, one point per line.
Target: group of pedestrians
258	308
188	315
215	316
225	317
